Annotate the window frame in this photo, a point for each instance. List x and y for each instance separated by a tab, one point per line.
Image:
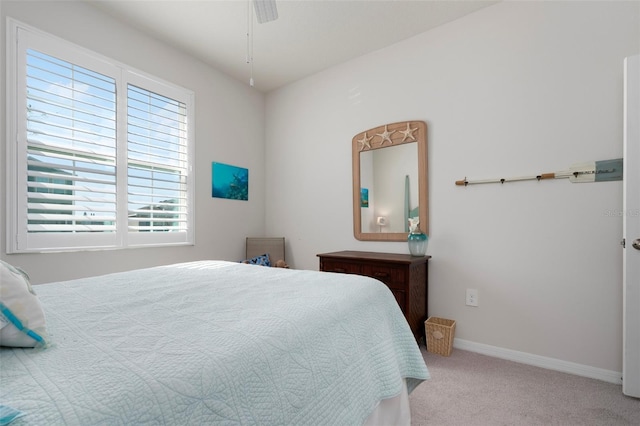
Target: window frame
21	37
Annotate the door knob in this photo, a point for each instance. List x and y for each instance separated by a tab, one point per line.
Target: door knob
636	244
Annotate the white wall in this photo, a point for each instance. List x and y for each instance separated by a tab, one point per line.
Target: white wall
514	89
229	123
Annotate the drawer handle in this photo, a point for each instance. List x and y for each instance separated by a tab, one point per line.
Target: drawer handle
339	270
380	274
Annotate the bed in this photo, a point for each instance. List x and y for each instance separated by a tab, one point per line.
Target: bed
214	342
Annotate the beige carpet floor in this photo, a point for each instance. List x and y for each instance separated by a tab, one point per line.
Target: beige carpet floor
472	389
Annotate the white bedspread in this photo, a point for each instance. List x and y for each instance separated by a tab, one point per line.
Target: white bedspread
213	342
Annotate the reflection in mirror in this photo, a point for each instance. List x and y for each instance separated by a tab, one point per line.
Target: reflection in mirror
389	181
392	188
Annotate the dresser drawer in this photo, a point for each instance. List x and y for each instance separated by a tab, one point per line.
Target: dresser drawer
330	265
394	277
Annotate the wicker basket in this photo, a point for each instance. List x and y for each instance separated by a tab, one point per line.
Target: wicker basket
439	332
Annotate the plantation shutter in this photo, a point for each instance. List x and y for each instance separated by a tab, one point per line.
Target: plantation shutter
71	147
99	155
157	162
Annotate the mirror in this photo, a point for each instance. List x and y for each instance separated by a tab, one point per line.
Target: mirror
390	181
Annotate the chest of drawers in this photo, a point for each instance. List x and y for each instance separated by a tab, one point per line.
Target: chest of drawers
406	276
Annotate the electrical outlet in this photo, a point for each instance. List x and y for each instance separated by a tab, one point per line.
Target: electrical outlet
472	297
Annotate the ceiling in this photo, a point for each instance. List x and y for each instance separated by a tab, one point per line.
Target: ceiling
307	37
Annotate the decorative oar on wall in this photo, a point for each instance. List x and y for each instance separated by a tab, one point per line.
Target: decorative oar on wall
594	171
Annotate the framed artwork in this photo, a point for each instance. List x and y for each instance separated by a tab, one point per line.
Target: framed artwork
229	182
364	197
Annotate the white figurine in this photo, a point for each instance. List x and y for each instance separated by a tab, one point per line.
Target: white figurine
413	223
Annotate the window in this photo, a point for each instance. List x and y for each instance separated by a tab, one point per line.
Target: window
99	155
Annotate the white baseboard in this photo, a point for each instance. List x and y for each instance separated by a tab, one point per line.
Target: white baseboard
540	361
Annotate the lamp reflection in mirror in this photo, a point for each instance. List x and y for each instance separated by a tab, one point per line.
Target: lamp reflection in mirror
382	222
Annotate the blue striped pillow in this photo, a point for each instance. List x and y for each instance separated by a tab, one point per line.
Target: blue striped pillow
22	321
262	260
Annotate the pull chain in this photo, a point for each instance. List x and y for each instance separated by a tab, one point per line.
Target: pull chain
250	41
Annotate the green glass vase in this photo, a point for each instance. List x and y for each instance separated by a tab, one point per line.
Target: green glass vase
417	241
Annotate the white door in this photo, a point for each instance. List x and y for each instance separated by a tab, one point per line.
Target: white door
631	229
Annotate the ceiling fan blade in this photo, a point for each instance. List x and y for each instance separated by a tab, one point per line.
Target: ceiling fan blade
265	10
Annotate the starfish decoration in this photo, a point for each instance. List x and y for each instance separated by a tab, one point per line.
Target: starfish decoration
386	136
365	141
408	133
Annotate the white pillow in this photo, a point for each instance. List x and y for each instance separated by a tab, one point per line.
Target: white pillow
22	322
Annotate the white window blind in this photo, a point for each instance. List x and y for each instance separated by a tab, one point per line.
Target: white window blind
71	147
157	154
102	153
